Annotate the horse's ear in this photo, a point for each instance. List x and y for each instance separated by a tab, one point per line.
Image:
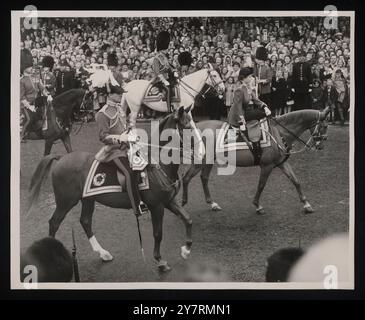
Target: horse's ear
187	110
181	112
324	113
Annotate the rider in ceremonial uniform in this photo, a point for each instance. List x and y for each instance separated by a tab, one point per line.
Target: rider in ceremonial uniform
113	133
247	107
48	78
115	75
161	66
29	90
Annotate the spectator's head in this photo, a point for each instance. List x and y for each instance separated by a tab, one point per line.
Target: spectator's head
329	82
245	75
280	263
52	260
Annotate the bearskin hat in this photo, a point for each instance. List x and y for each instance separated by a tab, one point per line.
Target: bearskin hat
162	40
185	58
261	53
48	61
112	59
245	72
26	59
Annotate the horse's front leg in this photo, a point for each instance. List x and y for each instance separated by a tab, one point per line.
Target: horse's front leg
190	174
185	216
288	171
206	169
48	146
157	214
264	175
67	143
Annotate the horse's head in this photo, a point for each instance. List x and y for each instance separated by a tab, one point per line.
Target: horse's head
319	131
180	119
215	81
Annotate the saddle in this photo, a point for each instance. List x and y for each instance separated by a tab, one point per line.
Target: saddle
104	177
230	138
155	92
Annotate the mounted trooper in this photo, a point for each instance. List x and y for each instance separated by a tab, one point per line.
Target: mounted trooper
161	66
185	60
30	106
248	108
47	76
113	132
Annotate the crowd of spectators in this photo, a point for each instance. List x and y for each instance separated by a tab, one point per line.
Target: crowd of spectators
228	43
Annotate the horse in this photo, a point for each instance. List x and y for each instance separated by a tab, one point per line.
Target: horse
55	123
189	87
284	129
68	179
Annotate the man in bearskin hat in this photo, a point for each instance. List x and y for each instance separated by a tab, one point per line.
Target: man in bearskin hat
247	107
29	90
185	60
116	77
113	132
47	76
161	66
263	74
302	79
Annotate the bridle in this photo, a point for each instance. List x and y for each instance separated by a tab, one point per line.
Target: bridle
213	86
315	135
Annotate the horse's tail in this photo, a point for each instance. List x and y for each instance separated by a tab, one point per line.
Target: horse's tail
39	174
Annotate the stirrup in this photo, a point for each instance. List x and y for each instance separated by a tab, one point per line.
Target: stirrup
142	208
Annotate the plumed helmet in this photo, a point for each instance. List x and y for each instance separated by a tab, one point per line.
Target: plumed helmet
48	61
261	53
26	60
112	59
185	58
245	72
162	40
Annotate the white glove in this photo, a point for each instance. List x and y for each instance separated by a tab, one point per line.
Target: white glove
166	83
243	127
176	75
123	137
132	137
31	108
220	96
267	111
49	98
292	89
309	90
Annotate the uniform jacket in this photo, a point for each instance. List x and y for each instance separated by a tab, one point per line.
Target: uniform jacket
302	77
264	72
242	98
111	125
49	82
161	65
29	89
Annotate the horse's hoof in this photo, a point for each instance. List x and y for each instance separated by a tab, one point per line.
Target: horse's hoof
106	256
260	211
163	266
215	207
185	252
308	209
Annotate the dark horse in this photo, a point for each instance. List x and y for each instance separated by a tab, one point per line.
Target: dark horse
288	127
68	179
59	115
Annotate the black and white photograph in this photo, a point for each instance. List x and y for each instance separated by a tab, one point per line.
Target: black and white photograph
182	149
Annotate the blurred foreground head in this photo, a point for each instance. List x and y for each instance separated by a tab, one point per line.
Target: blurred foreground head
329	255
51	258
280	263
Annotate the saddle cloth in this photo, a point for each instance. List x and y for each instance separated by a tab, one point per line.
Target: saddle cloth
236	142
154	93
105	178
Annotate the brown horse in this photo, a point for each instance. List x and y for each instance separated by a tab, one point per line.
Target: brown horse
59	113
68	179
288	128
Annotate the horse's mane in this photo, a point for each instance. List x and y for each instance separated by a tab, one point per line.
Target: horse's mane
66	95
289	117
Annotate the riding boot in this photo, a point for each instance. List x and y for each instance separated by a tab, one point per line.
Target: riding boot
257	152
168	98
139	207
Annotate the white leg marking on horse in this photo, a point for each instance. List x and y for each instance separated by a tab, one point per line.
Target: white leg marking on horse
215	206
185	252
104	255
